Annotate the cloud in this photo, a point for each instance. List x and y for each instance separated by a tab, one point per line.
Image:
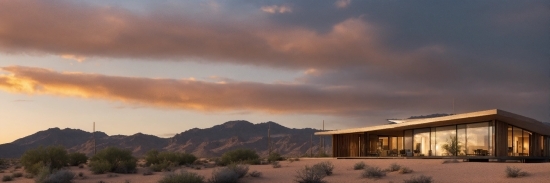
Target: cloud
276	9
74	57
342	3
189	94
375	96
77	31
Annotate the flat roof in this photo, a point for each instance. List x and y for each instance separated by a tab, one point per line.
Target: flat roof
479	116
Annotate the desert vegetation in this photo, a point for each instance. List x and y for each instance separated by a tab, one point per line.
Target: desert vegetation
114	160
51	157
359	165
514	172
310	175
373	172
246	156
182	177
76	159
167	161
419	179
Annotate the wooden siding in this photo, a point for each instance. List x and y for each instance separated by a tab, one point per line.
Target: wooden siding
501	136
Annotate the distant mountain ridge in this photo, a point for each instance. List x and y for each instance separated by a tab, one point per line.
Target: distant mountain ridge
208	142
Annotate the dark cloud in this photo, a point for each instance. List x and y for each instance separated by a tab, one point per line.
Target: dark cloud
371	58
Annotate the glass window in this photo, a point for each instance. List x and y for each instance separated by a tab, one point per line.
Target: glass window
444	138
510	141
517	137
477	139
407	144
432	143
526	139
421	142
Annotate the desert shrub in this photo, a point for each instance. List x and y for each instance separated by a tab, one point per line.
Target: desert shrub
155	157
240	169
76	158
373	172
18	174
325	167
394	167
514	172
7	178
310	175
54	157
405	170
80	174
61	176
183	177
450	161
163	166
255	174
116	160
359	166
3	164
274	157
419	179
223	175
276	164
100	167
147	171
240	155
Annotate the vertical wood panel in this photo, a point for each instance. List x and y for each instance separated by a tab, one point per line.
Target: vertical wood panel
501	136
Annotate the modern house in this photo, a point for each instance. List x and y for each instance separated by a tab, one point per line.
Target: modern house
491	133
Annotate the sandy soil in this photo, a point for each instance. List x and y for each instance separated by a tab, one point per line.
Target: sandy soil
343	172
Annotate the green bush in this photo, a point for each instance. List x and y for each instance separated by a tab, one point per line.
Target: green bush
419	179
7	178
373	172
359	166
514	172
274	157
310	175
114	160
240	155
325	166
77	158
54	157
224	175
183	177
155	157
240	169
100	167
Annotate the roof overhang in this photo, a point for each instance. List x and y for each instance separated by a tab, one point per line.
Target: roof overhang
480	116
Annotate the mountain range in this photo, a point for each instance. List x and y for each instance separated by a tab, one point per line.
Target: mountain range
208	142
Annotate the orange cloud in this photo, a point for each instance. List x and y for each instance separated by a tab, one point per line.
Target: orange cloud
187	94
77	31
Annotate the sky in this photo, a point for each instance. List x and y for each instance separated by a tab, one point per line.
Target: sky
162	67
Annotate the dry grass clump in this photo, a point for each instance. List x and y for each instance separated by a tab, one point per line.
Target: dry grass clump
255	174
18	174
373	172
394	167
240	169
325	167
405	170
514	172
223	175
7	178
183	177
310	175
419	179
276	164
359	166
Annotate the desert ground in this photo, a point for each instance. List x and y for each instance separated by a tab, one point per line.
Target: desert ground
343	172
